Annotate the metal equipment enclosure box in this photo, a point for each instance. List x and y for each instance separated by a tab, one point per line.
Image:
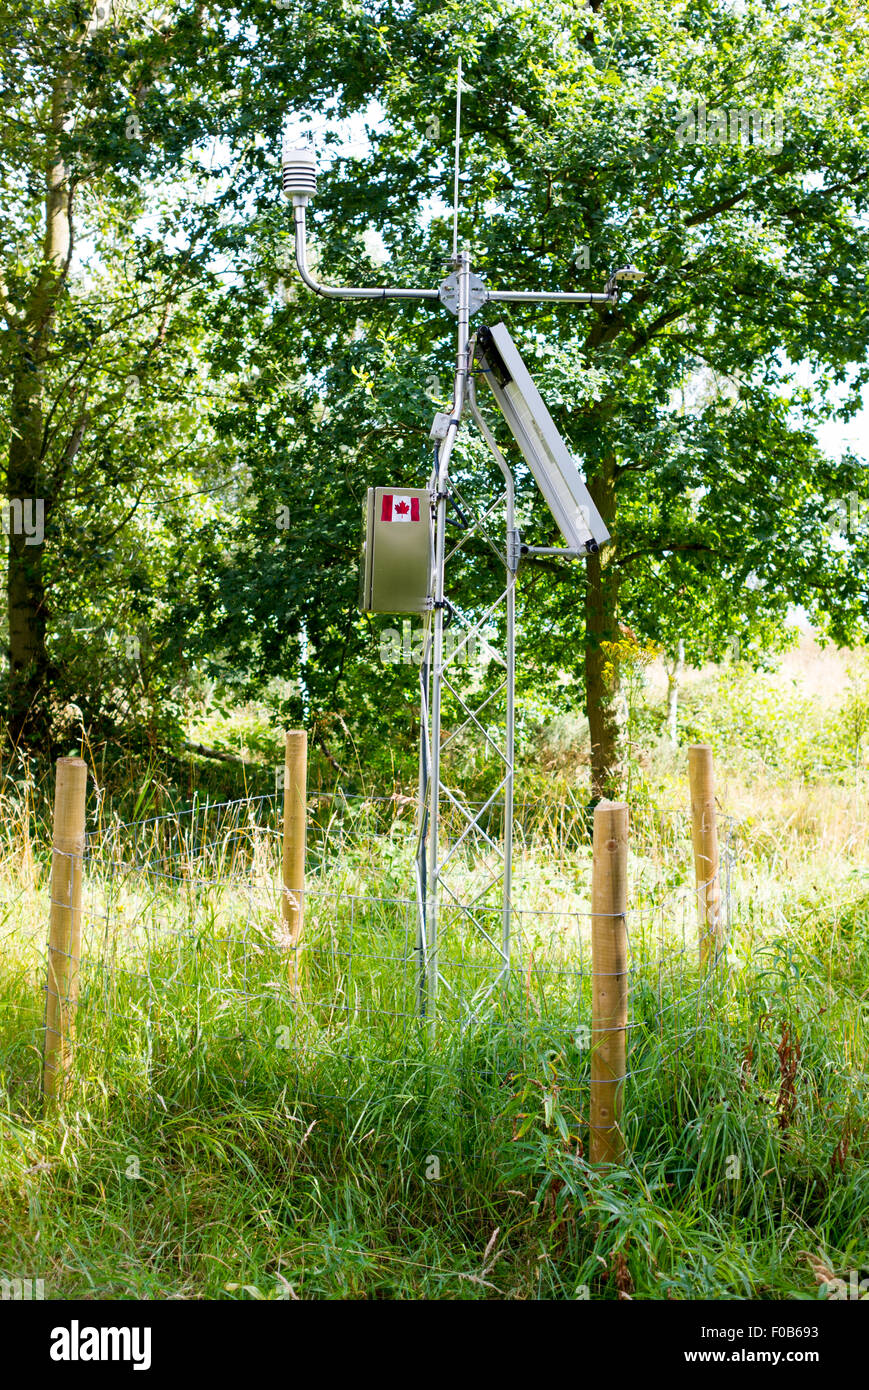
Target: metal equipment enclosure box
396	570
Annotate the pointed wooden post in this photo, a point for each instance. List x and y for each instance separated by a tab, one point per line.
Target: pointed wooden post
64	940
609	964
704	834
294	831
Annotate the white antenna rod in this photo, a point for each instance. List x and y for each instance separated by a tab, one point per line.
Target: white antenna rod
456	172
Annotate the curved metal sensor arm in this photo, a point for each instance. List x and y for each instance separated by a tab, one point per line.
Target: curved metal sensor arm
299	184
333	291
543	448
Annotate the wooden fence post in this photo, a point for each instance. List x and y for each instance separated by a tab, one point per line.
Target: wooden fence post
609	964
704	834
293	869
64	940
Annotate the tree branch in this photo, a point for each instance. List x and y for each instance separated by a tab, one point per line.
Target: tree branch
658	549
725	204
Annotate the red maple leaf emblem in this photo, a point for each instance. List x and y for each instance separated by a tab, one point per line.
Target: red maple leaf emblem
401	508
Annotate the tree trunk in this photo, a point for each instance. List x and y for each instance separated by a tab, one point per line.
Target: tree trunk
28	693
674	675
28	698
603	698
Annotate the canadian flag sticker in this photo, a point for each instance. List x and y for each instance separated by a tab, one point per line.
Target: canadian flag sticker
399	508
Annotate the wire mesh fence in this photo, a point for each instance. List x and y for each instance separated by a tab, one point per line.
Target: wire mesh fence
184	952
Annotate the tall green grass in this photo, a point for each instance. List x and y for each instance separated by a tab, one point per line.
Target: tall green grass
222	1140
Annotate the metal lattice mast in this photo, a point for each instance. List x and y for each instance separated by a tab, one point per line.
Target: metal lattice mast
441	673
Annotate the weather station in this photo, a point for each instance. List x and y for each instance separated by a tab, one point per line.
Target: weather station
405	569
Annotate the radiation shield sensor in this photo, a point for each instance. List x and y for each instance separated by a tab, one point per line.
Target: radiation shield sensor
543	448
396	568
